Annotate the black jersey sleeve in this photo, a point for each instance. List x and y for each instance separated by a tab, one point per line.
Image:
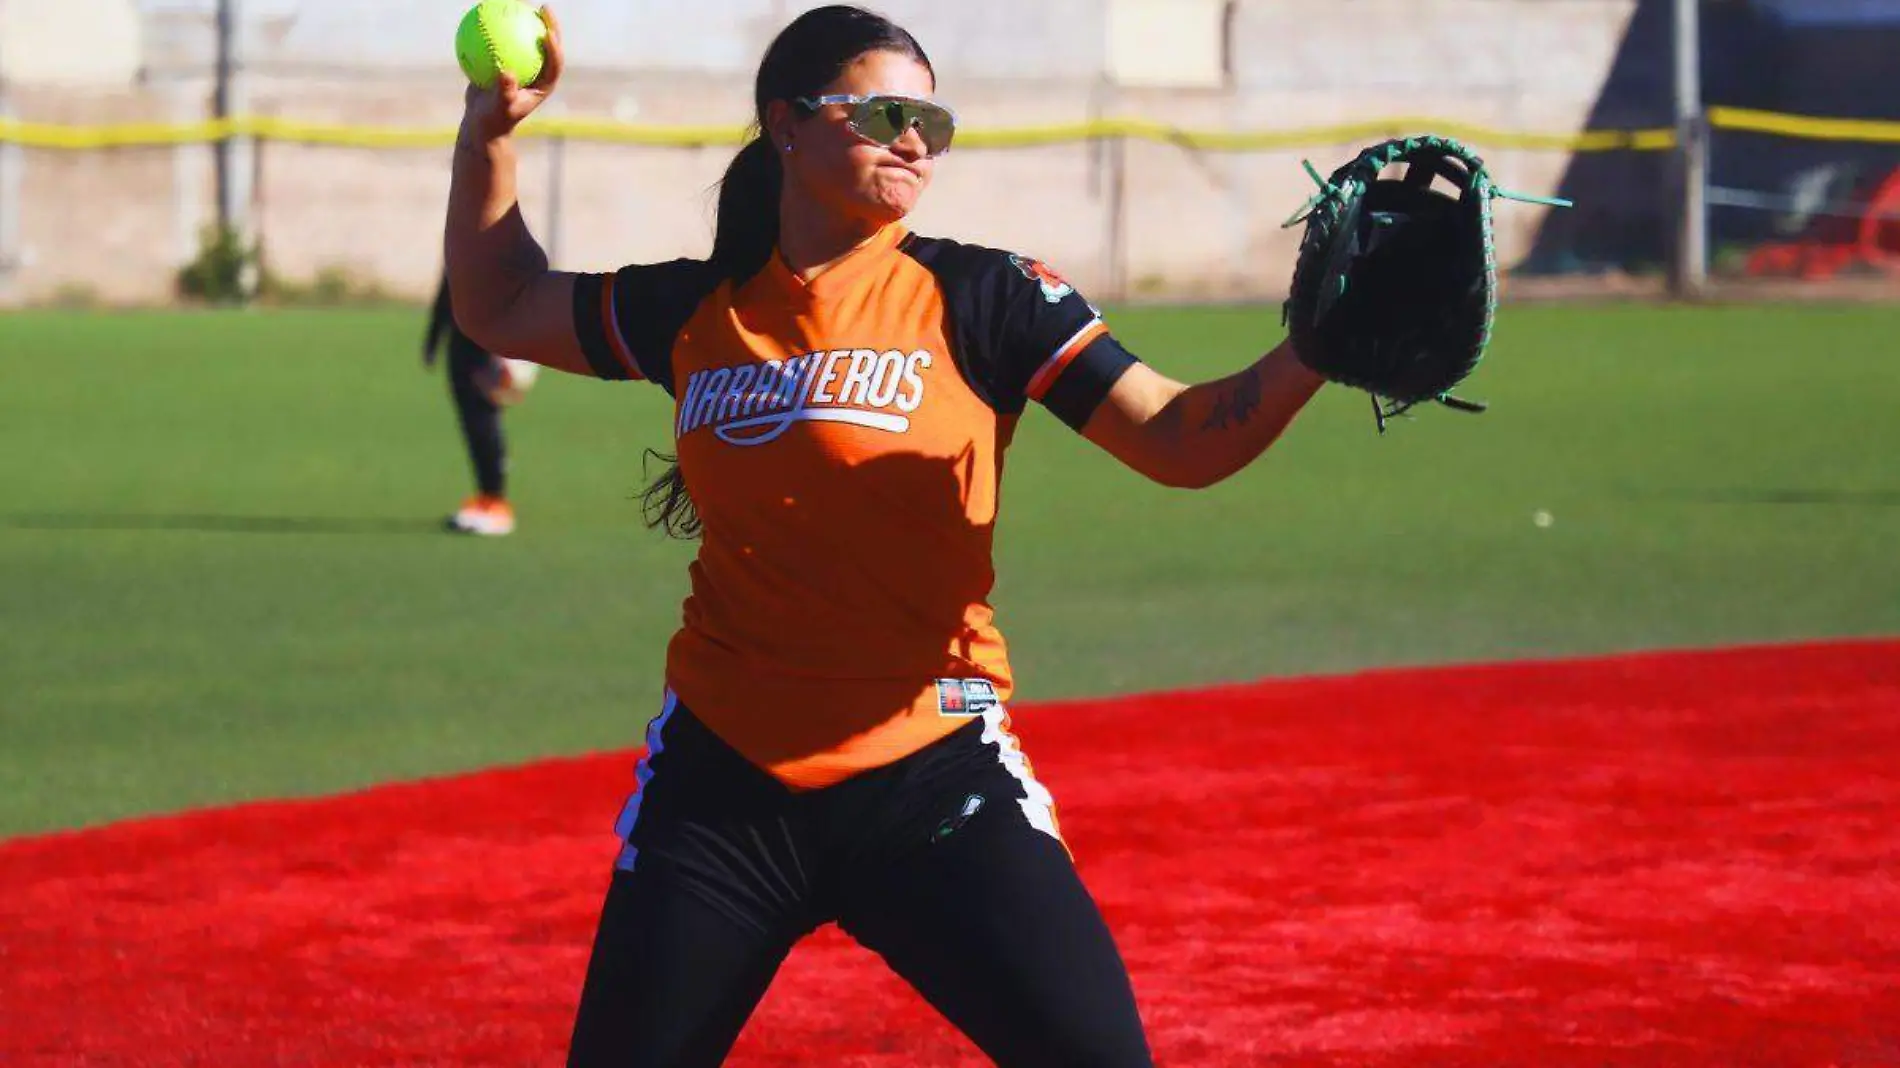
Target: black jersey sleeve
1022	332
627	320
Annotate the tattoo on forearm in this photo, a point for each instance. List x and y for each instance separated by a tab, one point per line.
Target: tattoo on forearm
1234	405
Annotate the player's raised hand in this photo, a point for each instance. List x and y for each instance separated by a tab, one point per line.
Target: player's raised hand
494	112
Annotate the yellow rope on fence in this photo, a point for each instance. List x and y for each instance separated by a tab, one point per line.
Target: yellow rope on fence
1807	127
265	128
603	131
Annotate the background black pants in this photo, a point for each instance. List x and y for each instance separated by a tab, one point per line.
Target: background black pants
935	863
481	418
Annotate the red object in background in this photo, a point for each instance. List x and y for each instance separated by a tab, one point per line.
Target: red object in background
1880	230
1665	859
1835	244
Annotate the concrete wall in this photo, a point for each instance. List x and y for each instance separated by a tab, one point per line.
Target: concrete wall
38	42
1194	224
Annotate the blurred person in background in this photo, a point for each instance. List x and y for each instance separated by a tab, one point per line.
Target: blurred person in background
482	384
832	744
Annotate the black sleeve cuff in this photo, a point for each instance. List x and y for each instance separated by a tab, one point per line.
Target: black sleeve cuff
1086	381
590	327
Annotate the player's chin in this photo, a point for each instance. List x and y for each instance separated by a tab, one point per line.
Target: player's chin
892	196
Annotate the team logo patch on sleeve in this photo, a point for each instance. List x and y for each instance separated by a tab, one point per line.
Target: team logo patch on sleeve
966	697
1054	286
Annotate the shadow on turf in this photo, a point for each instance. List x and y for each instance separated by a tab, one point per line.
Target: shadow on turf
223	524
1843	498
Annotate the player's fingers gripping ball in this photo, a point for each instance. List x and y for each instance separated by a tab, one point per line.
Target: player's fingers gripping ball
498	36
1396	284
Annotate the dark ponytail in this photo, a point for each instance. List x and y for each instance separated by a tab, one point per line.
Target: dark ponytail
804	58
748	211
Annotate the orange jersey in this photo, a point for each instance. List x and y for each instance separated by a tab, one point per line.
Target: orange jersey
843	441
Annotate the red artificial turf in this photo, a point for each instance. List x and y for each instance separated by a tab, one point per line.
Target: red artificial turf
1666	859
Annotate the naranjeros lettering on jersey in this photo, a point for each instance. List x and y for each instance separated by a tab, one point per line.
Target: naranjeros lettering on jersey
754	403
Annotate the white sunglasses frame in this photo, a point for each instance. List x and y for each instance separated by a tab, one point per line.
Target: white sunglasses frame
811	104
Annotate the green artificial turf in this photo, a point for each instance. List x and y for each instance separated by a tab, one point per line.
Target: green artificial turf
221	576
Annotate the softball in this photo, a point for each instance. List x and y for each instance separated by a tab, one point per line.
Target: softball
497	36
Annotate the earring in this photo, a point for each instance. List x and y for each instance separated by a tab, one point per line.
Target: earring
788	146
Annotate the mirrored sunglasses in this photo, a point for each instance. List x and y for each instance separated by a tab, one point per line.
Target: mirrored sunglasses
885	118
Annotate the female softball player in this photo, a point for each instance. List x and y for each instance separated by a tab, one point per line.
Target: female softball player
481	384
832	744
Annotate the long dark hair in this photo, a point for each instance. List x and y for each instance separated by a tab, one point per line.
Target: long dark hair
805	57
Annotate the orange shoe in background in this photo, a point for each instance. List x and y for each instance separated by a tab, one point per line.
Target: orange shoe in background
488	516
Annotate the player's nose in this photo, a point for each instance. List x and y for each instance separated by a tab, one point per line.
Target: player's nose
910	147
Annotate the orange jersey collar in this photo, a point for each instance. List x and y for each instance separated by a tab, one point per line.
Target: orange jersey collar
840	277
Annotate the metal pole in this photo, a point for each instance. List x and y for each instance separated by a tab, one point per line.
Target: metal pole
1118	220
1691	262
234	164
12	166
254	189
188	207
1095	146
222	107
